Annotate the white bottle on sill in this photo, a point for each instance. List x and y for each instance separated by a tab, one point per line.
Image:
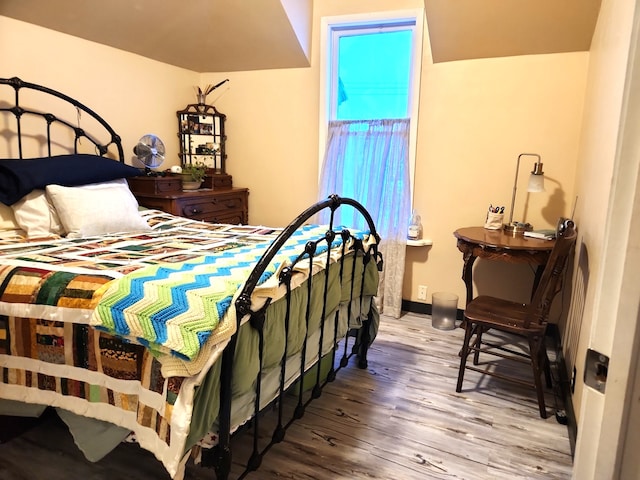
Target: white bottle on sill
415	226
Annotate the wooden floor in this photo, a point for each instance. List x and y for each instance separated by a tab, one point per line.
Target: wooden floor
399	419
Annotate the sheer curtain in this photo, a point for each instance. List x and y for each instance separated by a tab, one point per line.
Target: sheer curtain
368	160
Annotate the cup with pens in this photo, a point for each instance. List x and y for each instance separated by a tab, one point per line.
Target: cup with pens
495	217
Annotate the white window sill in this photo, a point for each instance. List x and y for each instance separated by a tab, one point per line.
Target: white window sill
423	242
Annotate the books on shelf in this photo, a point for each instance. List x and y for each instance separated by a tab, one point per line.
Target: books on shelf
545	234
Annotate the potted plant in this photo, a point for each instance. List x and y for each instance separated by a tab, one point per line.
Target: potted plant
192	175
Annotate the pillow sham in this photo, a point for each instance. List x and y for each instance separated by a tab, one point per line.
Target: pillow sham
97	209
19	177
36	215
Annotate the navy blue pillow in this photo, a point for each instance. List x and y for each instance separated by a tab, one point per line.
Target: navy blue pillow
19	177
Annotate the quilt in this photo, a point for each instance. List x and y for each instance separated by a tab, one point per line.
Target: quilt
50	297
177	310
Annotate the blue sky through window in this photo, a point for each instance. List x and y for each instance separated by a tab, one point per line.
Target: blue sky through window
373	74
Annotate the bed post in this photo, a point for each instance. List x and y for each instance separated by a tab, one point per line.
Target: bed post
220	457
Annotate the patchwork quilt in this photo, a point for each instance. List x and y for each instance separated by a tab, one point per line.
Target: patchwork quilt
160	313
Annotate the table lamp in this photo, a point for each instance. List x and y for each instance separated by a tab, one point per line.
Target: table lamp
536	184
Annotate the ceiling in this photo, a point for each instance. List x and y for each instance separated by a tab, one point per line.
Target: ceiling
200	35
465	29
239	35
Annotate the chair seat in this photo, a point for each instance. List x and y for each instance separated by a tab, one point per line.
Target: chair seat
493	312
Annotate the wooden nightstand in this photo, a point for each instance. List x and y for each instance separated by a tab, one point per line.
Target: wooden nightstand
229	205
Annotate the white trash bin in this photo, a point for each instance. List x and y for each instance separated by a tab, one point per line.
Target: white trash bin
444	306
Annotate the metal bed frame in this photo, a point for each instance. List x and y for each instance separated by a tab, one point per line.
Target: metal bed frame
19	111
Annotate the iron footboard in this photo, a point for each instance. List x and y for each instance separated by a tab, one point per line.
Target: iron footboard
355	342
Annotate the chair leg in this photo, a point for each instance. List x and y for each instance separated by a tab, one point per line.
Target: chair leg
464	353
534	346
478	344
547	369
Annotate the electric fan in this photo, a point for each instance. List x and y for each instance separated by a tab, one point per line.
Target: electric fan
150	151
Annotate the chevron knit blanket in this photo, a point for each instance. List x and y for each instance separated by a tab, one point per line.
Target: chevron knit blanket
176	309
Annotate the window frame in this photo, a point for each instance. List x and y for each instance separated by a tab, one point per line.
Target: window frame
328	62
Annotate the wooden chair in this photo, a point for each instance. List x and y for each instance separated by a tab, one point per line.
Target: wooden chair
528	320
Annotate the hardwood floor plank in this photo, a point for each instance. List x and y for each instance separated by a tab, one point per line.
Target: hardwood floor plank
401	418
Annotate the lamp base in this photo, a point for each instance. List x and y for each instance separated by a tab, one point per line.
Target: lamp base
516	229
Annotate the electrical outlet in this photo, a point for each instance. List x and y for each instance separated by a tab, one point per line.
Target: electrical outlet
422	292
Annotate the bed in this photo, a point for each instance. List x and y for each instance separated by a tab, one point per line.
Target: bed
137	325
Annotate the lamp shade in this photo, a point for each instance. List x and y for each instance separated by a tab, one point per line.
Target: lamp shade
536	183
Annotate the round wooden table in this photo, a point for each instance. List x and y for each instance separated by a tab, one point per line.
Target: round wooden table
480	242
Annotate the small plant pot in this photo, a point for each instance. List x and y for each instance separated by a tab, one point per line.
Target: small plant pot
189	184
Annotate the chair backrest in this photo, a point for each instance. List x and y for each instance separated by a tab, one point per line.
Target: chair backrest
551	281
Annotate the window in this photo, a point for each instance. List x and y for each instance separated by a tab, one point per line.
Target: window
370	81
368	119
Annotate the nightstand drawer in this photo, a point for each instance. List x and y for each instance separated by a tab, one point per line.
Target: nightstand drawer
155	185
217	206
197	209
234	218
202	207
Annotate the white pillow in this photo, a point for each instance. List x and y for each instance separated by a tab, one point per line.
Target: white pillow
36	215
97	209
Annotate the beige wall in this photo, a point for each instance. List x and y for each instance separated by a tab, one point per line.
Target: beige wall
607	176
476	117
272	139
594	175
134	94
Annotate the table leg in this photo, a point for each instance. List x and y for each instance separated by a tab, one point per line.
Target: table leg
467	274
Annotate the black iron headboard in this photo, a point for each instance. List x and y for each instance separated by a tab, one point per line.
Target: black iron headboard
19	111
